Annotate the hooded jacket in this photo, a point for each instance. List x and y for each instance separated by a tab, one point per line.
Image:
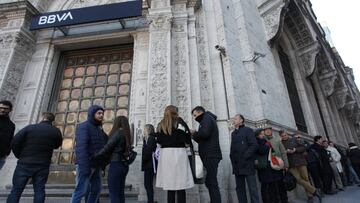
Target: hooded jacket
34	144
208	136
7	128
90	138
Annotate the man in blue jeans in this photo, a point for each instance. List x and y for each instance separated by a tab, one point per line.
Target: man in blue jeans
33	146
90	138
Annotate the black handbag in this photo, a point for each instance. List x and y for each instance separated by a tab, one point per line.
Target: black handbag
130	158
289	181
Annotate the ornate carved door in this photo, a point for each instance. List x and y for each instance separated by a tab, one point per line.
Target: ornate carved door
88	77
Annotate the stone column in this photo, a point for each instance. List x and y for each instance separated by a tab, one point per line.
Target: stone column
323	108
138	106
159	74
193	60
16	47
180	72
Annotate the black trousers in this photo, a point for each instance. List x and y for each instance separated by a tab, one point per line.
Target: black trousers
148	184
181	196
314	170
241	188
270	193
357	168
327	177
211	166
282	191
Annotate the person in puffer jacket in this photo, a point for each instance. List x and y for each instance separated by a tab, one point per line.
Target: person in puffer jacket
90	138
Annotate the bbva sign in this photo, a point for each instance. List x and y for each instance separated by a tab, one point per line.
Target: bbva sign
55	18
87	15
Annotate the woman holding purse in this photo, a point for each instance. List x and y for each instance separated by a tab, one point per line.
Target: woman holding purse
116	150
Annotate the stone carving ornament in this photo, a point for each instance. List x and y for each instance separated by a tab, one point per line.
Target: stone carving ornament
272	12
340	97
308	57
327	81
181	79
159	77
160	23
204	61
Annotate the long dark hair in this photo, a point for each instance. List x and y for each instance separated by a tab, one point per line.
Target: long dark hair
122	123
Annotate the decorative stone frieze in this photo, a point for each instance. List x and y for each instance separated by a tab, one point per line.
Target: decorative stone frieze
340	97
308	57
159	84
327	81
180	63
160	23
13	61
16	46
272	14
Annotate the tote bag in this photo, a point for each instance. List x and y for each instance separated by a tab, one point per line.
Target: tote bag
276	163
197	168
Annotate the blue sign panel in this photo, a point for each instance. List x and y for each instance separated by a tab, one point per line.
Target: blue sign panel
87	15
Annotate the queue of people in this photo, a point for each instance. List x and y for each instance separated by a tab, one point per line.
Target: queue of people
167	151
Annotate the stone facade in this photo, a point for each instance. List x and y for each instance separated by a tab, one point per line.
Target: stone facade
175	62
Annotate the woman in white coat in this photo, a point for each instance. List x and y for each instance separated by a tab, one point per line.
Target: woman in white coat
335	164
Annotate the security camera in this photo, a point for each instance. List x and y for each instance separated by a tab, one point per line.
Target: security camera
221	49
259	54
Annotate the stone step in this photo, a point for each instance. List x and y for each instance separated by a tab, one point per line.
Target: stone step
67	200
63	191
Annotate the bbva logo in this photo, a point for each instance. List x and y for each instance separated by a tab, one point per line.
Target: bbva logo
50	19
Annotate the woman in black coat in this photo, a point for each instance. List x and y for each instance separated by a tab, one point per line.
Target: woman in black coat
148	164
116	150
268	177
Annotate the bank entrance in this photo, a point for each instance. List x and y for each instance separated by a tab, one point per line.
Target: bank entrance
96	76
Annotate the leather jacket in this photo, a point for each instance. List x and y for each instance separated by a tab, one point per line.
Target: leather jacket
113	150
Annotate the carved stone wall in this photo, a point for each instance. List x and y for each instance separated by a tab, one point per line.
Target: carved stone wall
180	88
16	47
206	89
272	12
159	90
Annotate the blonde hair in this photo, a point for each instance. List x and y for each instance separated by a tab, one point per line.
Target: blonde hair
170	120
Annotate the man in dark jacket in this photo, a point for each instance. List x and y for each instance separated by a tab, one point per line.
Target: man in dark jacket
7	128
297	163
354	156
33	146
242	155
209	149
321	168
90	138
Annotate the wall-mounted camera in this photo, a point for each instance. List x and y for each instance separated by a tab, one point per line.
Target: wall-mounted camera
221	49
